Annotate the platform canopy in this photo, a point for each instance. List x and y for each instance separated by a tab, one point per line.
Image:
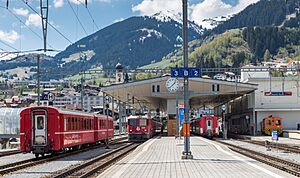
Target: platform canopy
153	94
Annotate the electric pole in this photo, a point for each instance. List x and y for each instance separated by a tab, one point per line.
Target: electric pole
187	152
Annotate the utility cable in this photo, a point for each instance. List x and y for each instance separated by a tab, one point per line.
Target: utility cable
36	34
90	14
48	22
77	17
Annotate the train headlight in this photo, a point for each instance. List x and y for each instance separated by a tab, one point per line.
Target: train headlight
145	130
130	130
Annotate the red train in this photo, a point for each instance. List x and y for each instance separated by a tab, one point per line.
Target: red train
46	129
141	128
207	126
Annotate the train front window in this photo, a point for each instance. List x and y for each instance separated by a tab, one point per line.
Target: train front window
208	123
143	122
40	122
132	122
268	123
277	122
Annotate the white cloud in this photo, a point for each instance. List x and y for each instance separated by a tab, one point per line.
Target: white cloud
197	12
21	11
34	20
9	37
58	3
214	8
79	1
150	7
106	1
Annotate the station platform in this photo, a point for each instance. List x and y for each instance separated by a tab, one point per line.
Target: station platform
161	157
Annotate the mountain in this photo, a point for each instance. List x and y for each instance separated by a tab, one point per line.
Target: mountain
264	13
28	60
133	42
212	23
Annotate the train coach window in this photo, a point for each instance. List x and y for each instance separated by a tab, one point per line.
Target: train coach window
84	124
132	122
143	122
78	124
73	123
69	123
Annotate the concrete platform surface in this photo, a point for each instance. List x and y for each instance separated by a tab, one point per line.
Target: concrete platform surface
162	158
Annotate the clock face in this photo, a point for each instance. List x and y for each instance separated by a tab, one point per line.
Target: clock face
172	84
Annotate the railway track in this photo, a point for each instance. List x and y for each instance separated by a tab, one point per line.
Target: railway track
7	153
12	167
280	146
96	164
285	165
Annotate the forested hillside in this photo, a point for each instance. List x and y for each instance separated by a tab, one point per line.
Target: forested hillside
228	49
272	39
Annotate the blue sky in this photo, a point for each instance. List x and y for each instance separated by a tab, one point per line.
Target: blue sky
105	12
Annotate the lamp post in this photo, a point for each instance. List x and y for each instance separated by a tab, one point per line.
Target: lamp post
107	144
224	122
38	78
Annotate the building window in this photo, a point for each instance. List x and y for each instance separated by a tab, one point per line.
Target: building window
153	88
158	88
215	87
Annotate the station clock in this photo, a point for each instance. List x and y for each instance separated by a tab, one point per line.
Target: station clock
172	84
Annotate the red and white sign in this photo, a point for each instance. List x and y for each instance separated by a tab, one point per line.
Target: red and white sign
286	93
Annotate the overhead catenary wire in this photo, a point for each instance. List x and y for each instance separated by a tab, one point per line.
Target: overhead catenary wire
52	26
77	17
90	14
8	45
35	33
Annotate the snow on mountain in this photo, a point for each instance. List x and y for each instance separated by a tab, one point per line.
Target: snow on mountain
169	16
214	22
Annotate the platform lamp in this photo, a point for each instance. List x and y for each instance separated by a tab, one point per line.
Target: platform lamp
224	122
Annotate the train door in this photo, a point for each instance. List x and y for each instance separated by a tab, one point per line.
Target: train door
39	129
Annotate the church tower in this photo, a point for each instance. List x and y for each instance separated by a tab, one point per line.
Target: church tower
119	73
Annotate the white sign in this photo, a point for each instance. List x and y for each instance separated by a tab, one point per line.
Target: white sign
107	99
223	107
51	97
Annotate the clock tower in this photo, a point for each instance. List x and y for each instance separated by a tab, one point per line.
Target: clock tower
119	73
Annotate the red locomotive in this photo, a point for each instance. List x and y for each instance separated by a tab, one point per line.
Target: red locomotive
46	129
205	126
141	128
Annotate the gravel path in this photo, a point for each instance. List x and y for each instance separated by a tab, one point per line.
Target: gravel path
274	152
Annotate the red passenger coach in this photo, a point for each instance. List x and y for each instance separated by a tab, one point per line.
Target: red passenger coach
205	126
141	128
46	129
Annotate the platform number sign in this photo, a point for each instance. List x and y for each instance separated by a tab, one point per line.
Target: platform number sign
275	135
185	72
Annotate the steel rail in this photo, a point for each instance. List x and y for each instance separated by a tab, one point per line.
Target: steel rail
284	165
92	166
12	167
7	153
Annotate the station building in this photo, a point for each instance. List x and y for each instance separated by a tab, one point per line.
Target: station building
275	97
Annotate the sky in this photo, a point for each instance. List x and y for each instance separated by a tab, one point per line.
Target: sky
21	29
